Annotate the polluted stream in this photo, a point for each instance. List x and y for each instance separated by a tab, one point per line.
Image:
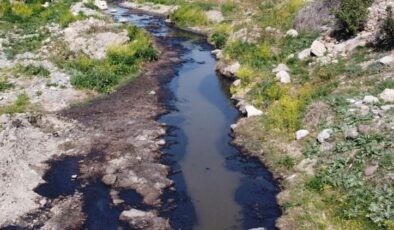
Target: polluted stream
216	186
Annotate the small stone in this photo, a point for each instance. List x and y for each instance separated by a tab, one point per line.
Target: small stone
4	118
370	170
152	92
283	77
233	126
370	99
387	107
123	20
318	49
109	179
74	176
324	135
232	69
387	95
351	133
102	5
161	142
306	53
292	33
252	111
237	83
301	134
281	67
364	129
387	60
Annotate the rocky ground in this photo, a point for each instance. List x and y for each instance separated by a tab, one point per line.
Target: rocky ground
44	117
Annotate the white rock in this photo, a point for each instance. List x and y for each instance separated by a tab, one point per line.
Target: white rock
318	48
292	33
232	69
214	16
45	5
152	92
251	111
102	5
233	126
387	107
257	228
387	95
281	67
306	53
123	20
324	135
370	99
301	134
283	77
237	83
387	60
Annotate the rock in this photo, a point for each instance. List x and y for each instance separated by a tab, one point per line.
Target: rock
318	49
74	176
351	133
144	220
370	170
214	16
364	129
301	134
387	60
109	179
384	107
370	99
324	135
45	5
102	5
237	83
281	67
292	33
306	53
233	126
4	118
252	111
123	20
232	69
307	165
258	228
387	95
283	77
152	92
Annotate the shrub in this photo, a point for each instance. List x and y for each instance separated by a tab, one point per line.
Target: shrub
386	38
189	15
287	162
219	39
32	70
19	106
21	11
351	16
4	85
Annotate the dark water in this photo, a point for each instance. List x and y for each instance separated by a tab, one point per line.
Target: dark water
217	187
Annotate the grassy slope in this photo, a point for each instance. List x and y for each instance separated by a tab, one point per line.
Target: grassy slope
24	28
335	194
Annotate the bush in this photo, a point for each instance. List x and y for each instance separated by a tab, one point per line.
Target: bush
351	16
189	15
219	39
386	38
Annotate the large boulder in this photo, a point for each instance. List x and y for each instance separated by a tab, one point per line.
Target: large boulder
301	134
387	95
318	48
252	111
387	60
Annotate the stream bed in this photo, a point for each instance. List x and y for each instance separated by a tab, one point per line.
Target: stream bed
216	187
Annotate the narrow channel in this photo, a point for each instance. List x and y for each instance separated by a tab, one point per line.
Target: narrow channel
216	186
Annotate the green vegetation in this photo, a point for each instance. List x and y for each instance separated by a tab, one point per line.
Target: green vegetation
28	21
4	85
351	16
31	70
19	106
122	62
386	37
189	15
219	39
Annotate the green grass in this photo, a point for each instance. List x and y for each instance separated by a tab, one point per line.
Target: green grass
122	62
4	85
189	15
31	70
19	106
